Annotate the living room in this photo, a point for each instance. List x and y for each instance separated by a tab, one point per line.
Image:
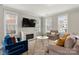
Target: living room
45	25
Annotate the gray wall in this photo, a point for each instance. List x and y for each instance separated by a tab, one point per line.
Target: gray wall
47	24
73	20
1	23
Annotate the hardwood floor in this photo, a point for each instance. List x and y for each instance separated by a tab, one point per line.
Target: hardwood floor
37	48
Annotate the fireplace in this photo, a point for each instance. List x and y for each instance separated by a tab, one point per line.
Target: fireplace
29	36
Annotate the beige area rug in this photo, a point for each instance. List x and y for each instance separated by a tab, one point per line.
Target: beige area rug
38	47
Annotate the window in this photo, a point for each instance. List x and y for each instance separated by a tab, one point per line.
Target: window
63	23
48	25
38	27
10	22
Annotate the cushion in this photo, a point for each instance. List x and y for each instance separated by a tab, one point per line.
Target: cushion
13	39
69	42
61	41
53	33
65	35
12	36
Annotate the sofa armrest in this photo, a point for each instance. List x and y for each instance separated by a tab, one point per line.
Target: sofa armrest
61	50
8	47
11	46
16	48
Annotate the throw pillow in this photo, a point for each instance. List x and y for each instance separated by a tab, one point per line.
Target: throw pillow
13	39
69	42
61	41
65	35
53	33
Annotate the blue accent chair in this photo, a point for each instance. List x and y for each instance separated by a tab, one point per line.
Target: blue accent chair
9	48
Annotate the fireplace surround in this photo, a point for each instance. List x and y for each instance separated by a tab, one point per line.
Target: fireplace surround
29	36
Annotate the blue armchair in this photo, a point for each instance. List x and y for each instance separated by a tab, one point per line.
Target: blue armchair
9	48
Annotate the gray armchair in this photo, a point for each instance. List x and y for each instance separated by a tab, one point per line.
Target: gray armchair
53	35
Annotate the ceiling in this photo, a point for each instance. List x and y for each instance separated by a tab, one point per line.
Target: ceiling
43	9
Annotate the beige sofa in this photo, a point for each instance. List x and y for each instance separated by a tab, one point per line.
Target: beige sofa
67	50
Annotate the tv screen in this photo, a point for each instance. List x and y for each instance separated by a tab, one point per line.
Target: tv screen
28	22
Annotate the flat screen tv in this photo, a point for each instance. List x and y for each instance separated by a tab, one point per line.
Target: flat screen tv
26	22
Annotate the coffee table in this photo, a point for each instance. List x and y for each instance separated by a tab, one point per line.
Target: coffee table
41	39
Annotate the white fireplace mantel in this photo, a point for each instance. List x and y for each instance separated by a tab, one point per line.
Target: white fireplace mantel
25	31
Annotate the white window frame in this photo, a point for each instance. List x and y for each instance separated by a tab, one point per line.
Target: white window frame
64	19
10	12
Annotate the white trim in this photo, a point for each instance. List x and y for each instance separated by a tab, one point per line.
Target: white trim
10	12
62	17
